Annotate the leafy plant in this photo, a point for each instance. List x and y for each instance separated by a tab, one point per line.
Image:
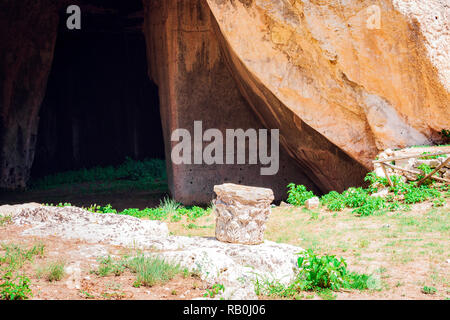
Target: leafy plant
363	201
15	287
429	290
445	133
327	272
214	291
297	194
315	273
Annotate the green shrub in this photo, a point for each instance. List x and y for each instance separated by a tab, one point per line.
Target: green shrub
141	175
371	205
327	272
364	204
214	291
297	194
429	290
318	274
445	133
15	287
168	209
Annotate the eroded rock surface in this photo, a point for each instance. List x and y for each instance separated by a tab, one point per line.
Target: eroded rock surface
241	213
329	67
28	32
236	266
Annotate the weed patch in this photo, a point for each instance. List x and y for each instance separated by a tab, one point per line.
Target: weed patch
137	175
54	271
364	203
15	287
167	210
320	274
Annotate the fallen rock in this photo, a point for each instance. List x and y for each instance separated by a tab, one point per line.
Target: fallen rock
312	203
241	213
432	163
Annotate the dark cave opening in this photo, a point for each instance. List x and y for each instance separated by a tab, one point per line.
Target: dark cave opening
100	105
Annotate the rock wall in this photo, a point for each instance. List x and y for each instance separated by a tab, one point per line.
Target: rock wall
328	75
28	31
186	62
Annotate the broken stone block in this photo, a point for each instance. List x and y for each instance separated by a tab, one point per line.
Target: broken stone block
406	163
447	175
312	203
432	163
241	213
379	171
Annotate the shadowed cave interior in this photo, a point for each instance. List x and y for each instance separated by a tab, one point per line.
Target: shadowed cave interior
100	105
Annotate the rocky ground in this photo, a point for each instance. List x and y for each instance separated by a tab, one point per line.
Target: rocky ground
80	237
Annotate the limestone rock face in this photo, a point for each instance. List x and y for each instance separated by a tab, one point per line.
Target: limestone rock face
366	75
186	62
241	213
28	34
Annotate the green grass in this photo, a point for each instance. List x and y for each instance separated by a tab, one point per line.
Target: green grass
109	266
4	220
53	271
152	270
131	175
167	210
149	271
15	256
14	285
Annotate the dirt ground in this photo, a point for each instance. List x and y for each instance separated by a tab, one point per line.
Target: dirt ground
83	256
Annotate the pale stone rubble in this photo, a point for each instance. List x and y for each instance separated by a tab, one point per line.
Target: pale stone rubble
413	164
236	266
241	213
312	203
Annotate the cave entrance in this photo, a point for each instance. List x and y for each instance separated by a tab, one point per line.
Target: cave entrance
100	105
